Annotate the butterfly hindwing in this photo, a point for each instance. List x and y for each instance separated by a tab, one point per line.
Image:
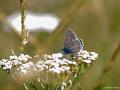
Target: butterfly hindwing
81	44
76	45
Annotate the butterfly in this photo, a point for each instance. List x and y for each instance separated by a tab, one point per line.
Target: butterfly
72	43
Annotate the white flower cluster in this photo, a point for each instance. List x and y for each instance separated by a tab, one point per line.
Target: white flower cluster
86	56
55	63
25	68
14	61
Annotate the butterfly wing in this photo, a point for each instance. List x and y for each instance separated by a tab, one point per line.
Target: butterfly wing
69	37
72	43
81	44
76	45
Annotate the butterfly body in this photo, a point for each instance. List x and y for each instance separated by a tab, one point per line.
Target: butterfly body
67	51
72	43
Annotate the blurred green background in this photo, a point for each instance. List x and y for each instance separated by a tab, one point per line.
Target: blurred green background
97	22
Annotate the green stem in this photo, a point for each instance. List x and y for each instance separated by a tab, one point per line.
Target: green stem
26	88
82	69
59	82
76	79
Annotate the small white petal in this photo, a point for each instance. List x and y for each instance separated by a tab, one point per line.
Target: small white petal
87	61
57	55
13	57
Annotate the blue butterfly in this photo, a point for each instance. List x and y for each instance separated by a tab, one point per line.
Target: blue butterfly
72	44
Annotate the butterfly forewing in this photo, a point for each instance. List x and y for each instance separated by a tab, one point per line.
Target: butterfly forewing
69	37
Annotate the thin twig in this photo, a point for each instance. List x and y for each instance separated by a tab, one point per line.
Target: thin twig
107	67
22	10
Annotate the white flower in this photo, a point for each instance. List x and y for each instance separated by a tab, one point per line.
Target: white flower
39	67
57	70
47	56
93	55
56	63
27	56
16	62
87	61
24	68
65	68
24	58
86	56
13	57
57	55
7	65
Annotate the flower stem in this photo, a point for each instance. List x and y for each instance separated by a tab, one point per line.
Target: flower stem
26	88
59	82
82	69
